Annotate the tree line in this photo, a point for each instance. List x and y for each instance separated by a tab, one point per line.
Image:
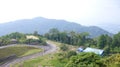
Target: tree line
21	38
111	44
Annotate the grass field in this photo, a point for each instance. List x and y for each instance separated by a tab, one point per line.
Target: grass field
18	50
50	60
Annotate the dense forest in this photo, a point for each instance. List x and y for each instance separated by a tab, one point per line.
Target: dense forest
111	44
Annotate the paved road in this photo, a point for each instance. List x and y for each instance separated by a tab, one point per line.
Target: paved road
1	47
47	49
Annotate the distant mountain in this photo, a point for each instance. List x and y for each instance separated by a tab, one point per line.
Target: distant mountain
42	25
111	27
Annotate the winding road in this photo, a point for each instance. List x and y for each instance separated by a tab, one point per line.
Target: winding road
47	49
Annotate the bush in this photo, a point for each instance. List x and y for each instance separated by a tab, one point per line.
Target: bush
70	53
112	61
64	47
85	60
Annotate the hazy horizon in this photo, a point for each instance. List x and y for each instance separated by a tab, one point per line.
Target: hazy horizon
85	12
102	13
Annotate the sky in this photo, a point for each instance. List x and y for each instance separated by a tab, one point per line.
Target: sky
85	12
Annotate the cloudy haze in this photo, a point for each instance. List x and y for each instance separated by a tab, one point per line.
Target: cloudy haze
85	12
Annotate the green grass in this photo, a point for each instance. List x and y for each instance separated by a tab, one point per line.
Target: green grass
49	60
19	51
70	47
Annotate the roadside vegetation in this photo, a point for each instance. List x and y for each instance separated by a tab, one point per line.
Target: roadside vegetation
57	59
69	58
110	44
70	41
20	38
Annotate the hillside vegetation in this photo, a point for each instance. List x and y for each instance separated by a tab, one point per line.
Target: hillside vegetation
54	59
69	58
109	44
20	38
68	43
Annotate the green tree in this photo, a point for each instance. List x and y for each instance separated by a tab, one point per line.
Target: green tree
116	40
72	35
80	41
112	61
35	33
70	53
85	60
15	35
54	33
81	38
63	47
101	41
63	37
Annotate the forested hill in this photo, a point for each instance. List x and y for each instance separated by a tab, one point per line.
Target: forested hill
42	25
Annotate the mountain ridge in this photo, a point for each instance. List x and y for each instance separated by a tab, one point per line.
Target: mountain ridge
42	25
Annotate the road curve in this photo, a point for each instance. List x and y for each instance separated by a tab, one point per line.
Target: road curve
47	49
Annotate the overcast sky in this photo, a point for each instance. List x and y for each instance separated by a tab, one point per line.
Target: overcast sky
85	12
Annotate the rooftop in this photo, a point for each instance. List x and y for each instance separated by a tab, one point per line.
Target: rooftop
32	37
94	50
